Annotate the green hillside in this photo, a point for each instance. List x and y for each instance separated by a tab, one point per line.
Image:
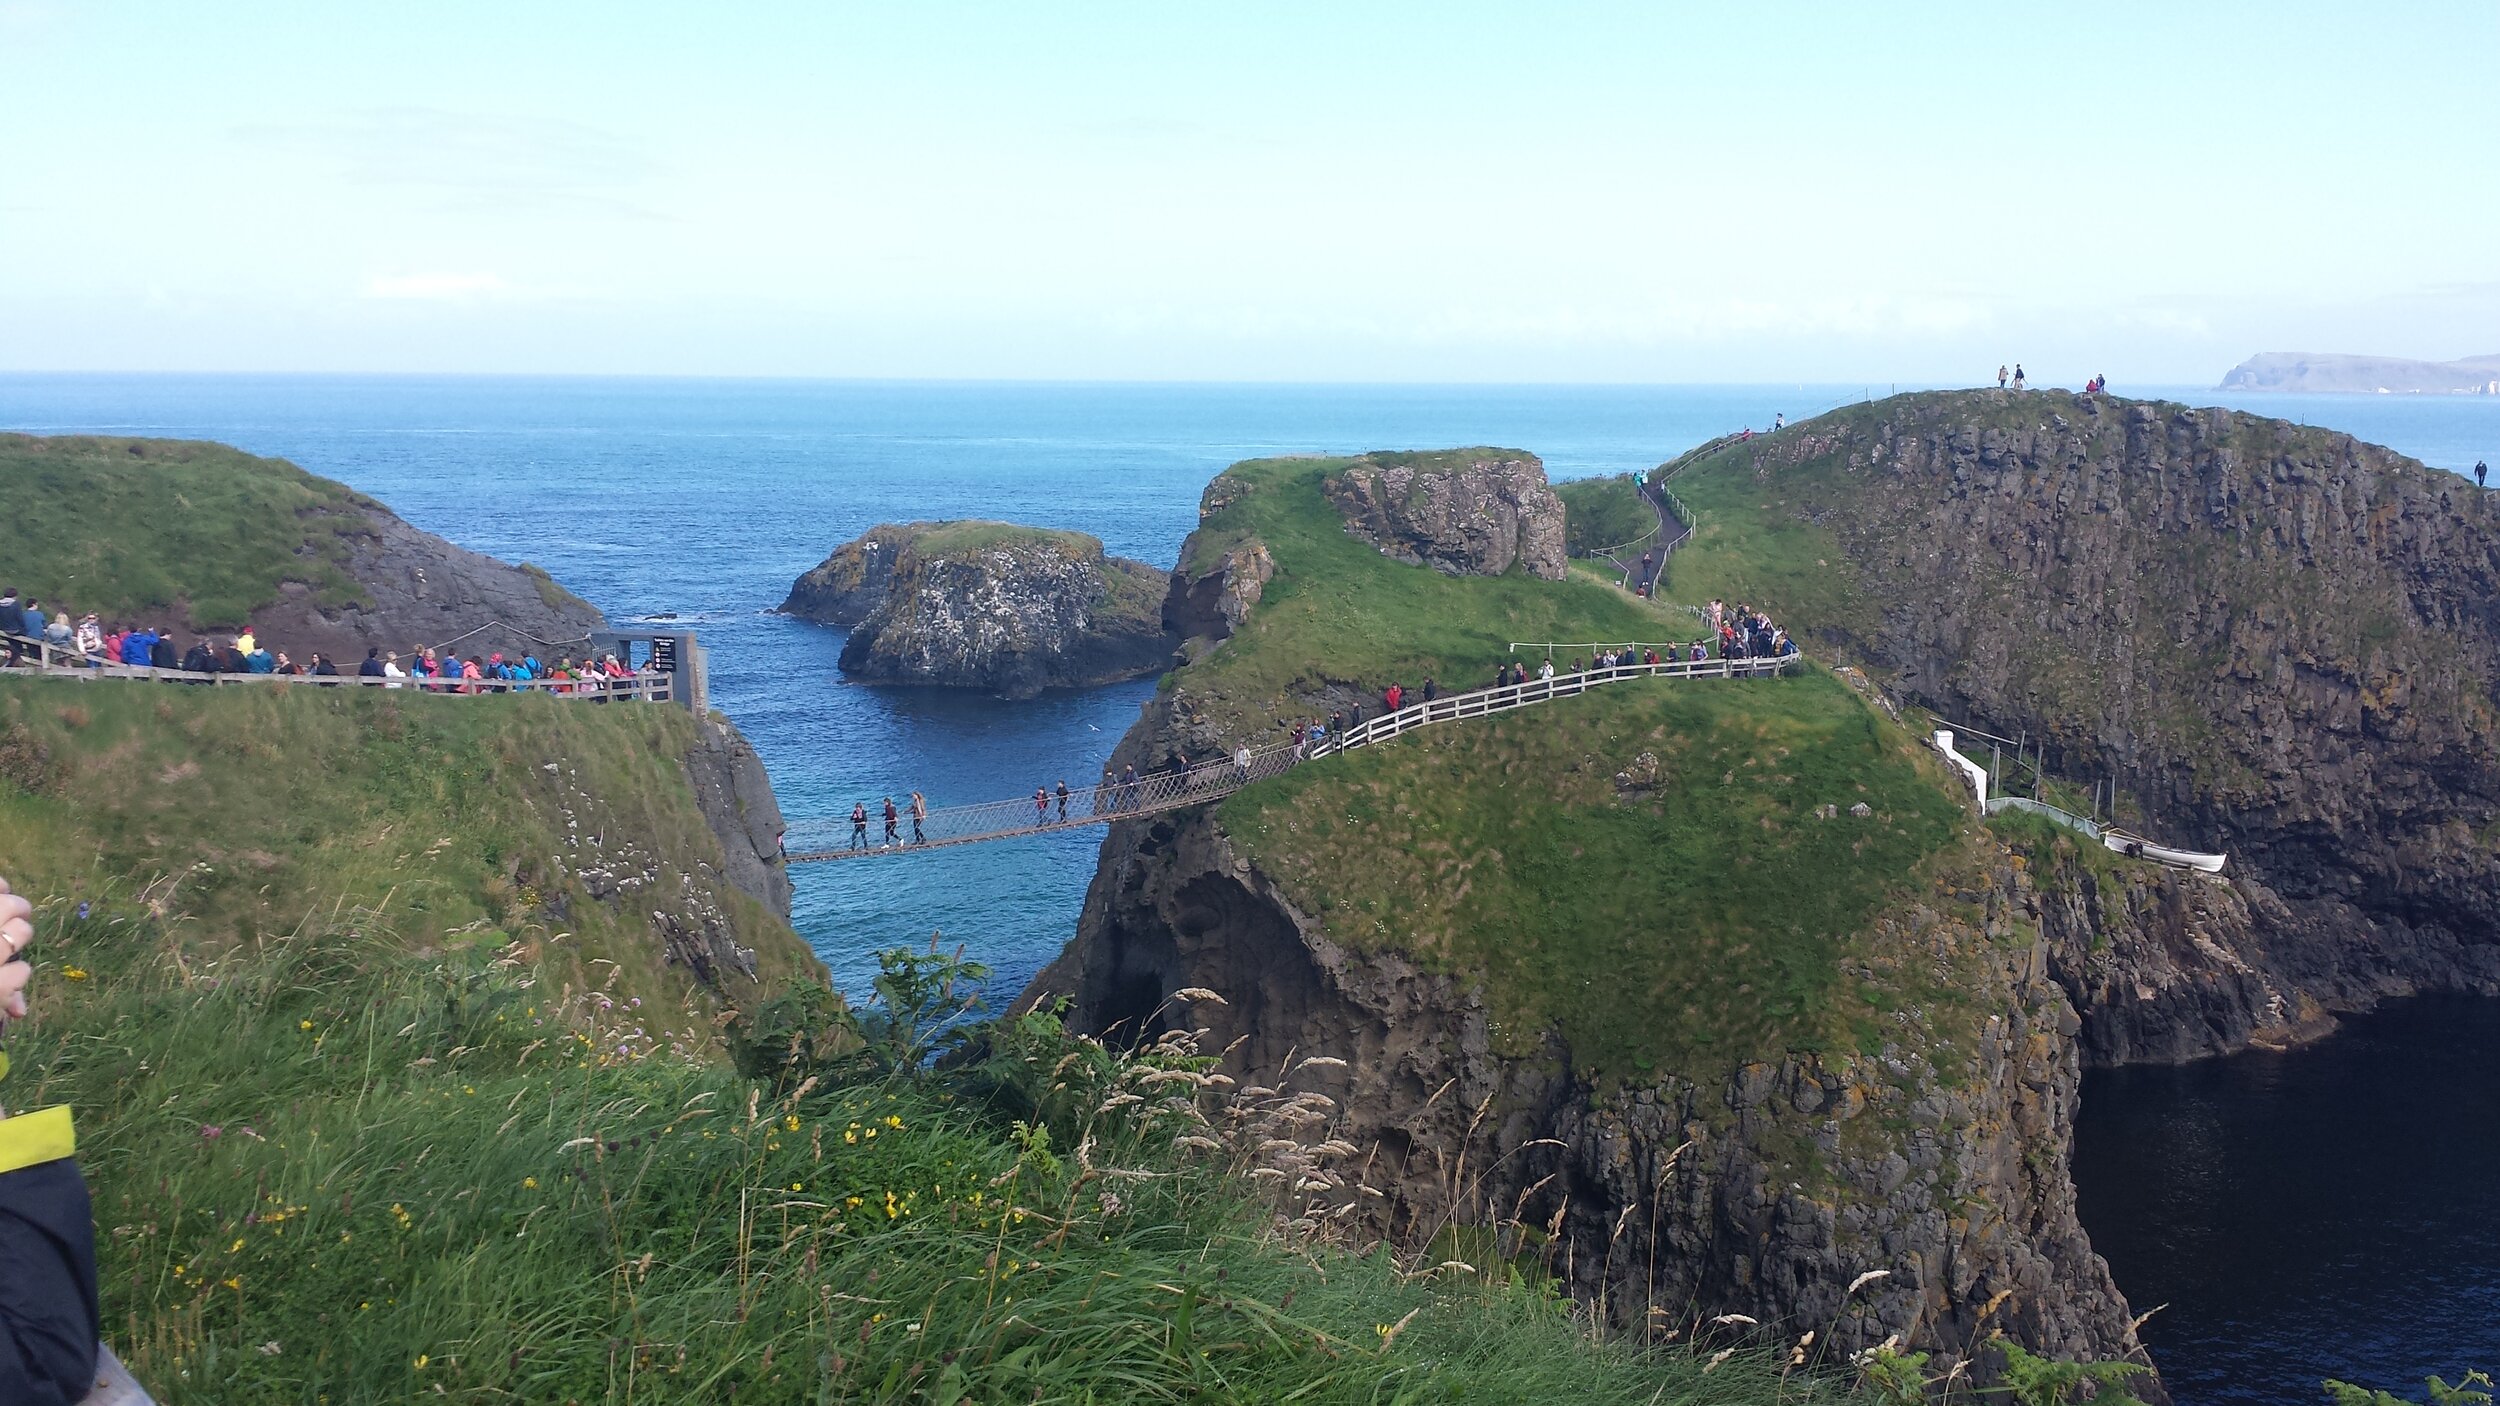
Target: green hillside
1603	512
167	530
1658	924
378	1104
1628	867
231	814
1338	612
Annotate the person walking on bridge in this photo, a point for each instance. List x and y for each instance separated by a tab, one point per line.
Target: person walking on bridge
859	825
891	838
919	813
1041	807
1241	764
1063	798
1127	796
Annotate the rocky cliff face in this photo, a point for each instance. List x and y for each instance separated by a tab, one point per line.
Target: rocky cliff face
848	586
986	605
2279	642
1940	1159
738	804
423	590
1469	512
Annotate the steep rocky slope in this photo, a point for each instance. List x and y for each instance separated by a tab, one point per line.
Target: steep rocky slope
1614	992
2278	641
987	605
205	539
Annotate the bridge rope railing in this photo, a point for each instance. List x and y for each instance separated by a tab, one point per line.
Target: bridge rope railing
812	841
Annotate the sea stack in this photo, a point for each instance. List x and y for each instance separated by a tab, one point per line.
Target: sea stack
989	605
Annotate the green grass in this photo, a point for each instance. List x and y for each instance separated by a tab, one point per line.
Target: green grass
235	812
327	1171
171	530
1337	611
1603	512
971	535
1681	926
1749	551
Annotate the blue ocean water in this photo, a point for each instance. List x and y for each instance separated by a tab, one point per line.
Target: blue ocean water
706	498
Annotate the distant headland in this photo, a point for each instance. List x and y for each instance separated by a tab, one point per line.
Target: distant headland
2364	375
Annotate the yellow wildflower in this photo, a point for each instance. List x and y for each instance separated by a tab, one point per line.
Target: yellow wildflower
303	1025
790	1122
74	973
422	1359
798	1186
893	1121
529	1183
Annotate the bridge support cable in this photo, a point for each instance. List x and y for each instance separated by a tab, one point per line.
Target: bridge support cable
1101	803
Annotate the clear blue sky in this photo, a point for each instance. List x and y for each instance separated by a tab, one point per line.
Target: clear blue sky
1334	191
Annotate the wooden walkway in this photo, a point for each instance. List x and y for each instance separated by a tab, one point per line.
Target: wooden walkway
821	841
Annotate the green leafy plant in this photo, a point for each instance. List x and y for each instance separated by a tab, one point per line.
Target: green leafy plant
2472	1390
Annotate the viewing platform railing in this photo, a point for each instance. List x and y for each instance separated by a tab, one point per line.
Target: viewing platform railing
56	661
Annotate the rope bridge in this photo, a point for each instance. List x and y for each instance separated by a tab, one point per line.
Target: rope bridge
814	841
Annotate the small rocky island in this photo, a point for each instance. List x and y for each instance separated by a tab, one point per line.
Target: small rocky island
988	605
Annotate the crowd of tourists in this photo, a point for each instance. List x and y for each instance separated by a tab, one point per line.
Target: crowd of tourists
87	642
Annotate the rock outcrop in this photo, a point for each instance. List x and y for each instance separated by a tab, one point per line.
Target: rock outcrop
2277	641
1469	512
423	590
1939	1159
848	586
737	800
988	605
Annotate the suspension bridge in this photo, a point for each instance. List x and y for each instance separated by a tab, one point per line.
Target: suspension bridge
1045	811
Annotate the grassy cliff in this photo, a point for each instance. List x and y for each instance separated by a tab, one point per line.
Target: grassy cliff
1337	612
164	529
1623	868
381	1099
225	816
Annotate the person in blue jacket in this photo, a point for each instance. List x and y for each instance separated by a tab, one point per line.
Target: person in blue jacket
32	618
135	646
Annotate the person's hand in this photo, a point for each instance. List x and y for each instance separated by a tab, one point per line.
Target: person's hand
17	931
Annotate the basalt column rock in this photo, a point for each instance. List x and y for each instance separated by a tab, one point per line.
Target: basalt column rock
1468	512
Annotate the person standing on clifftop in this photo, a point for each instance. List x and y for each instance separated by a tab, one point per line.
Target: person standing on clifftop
2000	377
2482	471
2018	375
